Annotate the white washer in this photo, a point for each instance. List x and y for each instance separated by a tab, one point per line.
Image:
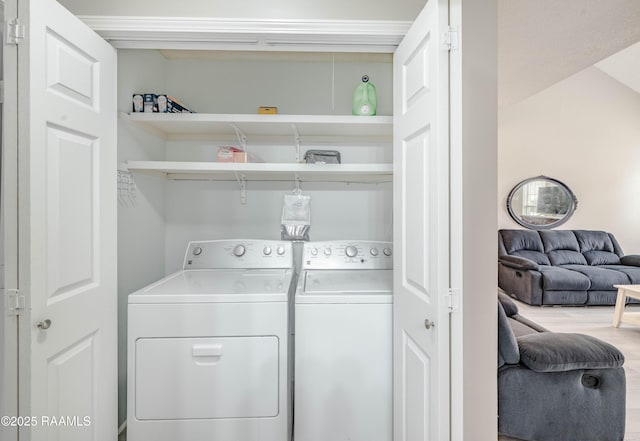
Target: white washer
208	346
343	342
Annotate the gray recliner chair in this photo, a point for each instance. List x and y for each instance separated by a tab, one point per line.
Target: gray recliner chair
557	386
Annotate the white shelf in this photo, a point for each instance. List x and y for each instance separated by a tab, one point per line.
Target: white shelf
177	125
228	171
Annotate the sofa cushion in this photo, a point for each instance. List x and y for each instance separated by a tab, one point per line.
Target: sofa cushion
566	257
632	272
601	258
562	247
594	241
561	279
559	240
559	352
601	278
524	243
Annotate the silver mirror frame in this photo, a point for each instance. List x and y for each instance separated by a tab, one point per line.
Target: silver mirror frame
573	204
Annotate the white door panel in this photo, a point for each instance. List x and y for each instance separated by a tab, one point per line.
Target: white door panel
421	230
67	217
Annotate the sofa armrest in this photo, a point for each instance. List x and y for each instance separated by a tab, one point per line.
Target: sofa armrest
560	352
631	260
517	262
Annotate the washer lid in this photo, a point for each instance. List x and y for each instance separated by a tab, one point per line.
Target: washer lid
227	286
346	286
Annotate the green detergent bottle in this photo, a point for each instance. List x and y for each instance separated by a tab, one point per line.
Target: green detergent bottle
364	98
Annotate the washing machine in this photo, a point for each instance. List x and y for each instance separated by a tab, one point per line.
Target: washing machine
343	342
208	346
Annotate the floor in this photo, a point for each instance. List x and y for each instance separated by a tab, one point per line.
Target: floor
596	321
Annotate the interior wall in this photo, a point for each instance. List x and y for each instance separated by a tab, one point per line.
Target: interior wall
474	143
313	85
1	142
275	9
584	131
316	84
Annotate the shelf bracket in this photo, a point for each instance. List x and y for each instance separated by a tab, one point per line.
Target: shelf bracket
242	182
242	138
296	141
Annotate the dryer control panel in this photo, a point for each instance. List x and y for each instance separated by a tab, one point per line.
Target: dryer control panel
345	254
238	253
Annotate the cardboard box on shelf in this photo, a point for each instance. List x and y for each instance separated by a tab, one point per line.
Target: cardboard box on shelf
234	154
230	154
267	110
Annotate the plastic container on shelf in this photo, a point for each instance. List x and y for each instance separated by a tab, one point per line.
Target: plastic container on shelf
364	98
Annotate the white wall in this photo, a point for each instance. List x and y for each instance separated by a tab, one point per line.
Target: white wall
240	83
473	241
584	131
276	9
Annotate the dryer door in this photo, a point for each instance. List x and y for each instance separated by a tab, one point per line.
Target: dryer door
188	378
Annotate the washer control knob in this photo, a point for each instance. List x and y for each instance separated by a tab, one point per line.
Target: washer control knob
267	251
327	251
374	251
351	251
387	251
280	250
314	251
197	251
239	250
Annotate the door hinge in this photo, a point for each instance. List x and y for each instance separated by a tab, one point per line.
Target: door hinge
16	32
451	38
453	299
15	301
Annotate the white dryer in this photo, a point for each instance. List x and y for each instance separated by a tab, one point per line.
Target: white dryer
208	346
343	342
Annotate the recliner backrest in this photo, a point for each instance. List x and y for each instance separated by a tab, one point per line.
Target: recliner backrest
598	247
524	243
562	247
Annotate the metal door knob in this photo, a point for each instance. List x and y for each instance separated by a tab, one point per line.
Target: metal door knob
429	324
45	324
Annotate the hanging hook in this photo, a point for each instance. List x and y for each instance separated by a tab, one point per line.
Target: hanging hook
297	191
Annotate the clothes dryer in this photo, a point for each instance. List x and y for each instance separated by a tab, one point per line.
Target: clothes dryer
343	342
208	346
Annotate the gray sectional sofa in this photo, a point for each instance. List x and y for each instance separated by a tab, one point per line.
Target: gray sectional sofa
557	386
563	267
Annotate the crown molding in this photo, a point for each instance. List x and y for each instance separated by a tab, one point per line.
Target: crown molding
242	34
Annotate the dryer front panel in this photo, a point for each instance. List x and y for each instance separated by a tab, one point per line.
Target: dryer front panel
206	378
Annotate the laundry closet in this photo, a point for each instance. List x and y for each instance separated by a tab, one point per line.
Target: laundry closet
399	182
197	199
193	197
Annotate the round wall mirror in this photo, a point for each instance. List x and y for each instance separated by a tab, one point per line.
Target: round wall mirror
541	203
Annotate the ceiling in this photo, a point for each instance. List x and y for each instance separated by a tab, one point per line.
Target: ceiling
624	66
545	41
